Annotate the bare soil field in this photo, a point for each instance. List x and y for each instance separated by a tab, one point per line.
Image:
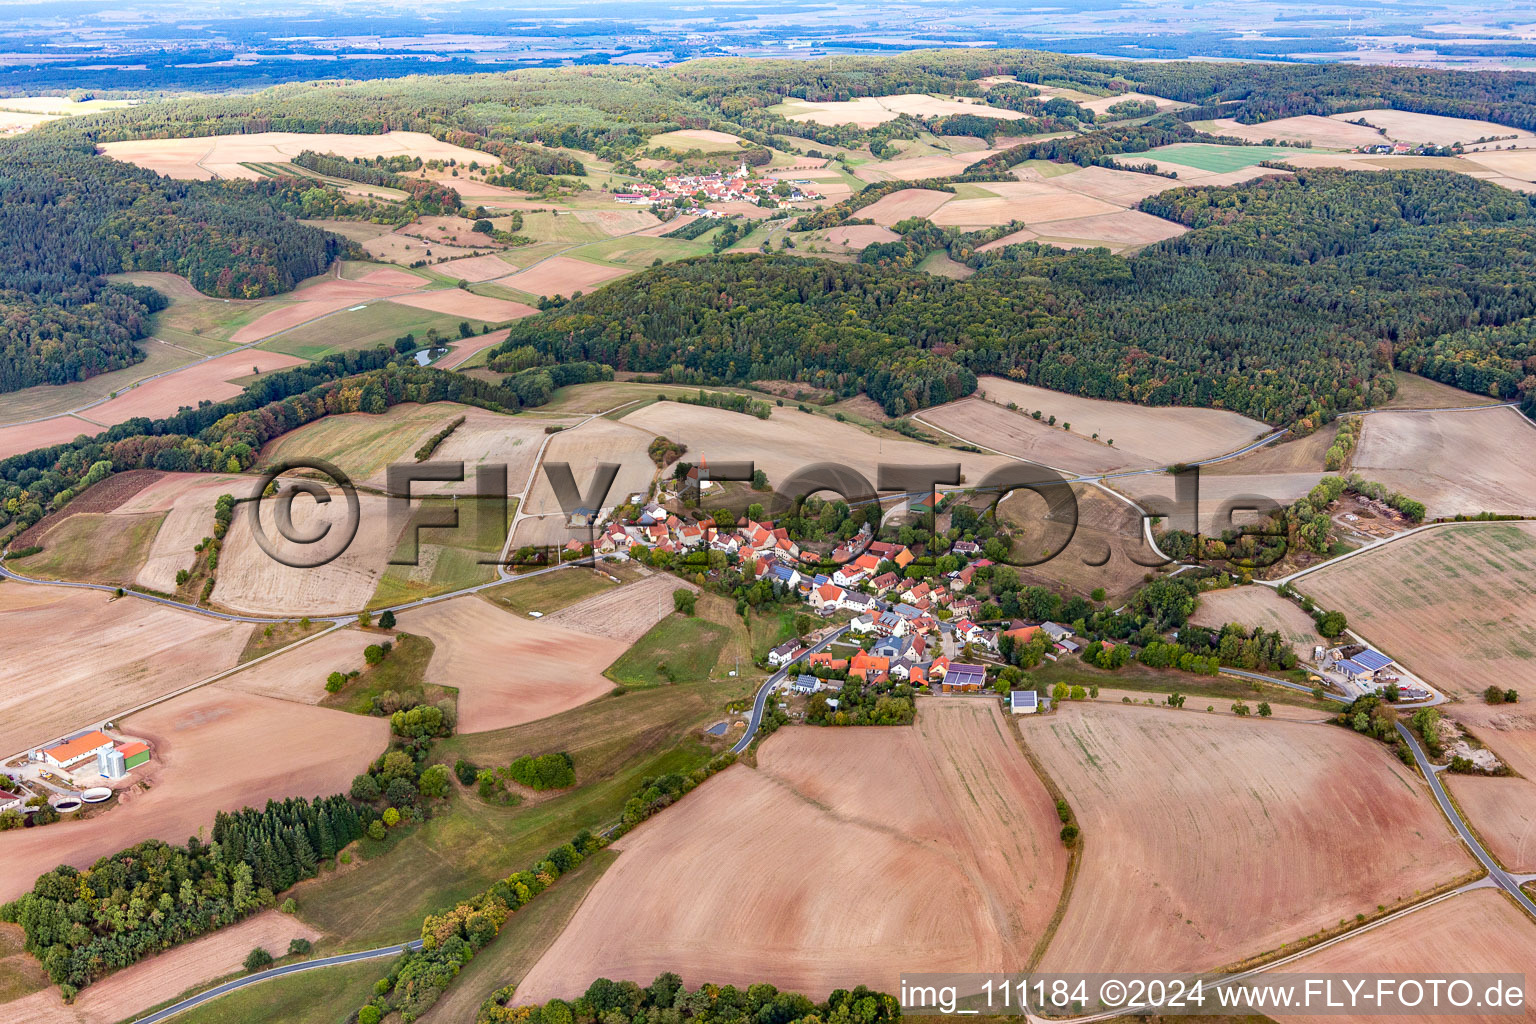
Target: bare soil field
1478	931
1414	129
1157	435
1454	462
619	222
844	857
993	426
24	437
222	156
214	750
1099	553
123	652
860	235
603	440
251	581
509	669
1517	165
458	302
561	275
489	437
1262	607
475	268
299	675
790	440
624	613
147	983
1319	823
204	381
1455	604
916	168
1288	455
1327	132
909	202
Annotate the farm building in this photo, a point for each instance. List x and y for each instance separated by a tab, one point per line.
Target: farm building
134	754
1023	702
10	801
964	679
72	752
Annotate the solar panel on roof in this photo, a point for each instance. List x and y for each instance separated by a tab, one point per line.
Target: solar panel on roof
1373	660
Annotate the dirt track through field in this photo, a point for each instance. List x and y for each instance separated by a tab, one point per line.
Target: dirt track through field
1211	839
846	857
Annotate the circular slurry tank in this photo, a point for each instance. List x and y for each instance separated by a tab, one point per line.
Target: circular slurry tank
96	795
67	805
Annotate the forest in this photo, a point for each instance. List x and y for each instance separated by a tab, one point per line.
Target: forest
83	925
1290	301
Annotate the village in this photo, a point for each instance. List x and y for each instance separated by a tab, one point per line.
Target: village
685	191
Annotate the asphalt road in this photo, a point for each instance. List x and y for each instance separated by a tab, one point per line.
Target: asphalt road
1500	877
764	691
276	972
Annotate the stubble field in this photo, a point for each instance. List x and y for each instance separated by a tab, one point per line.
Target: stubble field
1456	604
509	669
222	156
845	857
1454	462
1208	840
1262	607
122	652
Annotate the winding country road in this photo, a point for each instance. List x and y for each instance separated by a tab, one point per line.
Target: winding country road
276	972
766	690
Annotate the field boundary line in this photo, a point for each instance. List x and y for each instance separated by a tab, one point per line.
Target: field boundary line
1074	852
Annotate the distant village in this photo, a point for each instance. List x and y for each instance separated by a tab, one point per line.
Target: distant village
685	190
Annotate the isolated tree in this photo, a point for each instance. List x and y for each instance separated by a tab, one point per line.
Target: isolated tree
1264	710
387	620
256	960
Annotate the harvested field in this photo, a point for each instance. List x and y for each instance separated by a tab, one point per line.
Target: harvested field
1518	165
1014	433
94	547
400	247
916	168
561	275
789	440
1123	188
860	235
1055	204
1116	230
1454	462
1455	604
1287	455
251	581
208	380
1328	132
619	222
320	297
188	521
624	613
1478	931
718	886
1261	607
364	444
1415	392
299	675
1319	823
126	993
475	268
488	437
1241	491
698	138
40	401
908	202
603	440
1503	811
1100	104
868	111
222	156
24	437
1108	532
1433	129
509	669
465	349
1162	434
198	770
458	302
123	652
